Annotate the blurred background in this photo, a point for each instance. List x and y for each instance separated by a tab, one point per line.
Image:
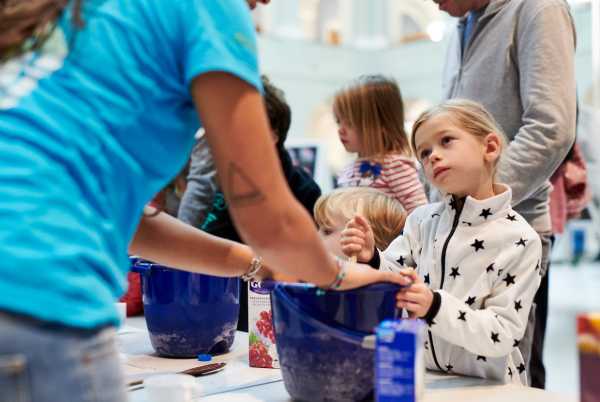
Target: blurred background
311	48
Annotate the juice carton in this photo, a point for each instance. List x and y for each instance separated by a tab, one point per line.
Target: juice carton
262	351
588	343
399	365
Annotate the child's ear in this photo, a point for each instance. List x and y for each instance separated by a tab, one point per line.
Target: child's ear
492	147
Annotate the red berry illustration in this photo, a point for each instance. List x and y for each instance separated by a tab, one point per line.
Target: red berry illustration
259	355
265	325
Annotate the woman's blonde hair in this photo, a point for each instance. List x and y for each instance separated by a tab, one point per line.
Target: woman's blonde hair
385	214
372	105
470	116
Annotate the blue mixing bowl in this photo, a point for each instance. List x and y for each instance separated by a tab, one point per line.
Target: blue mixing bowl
319	361
359	309
186	313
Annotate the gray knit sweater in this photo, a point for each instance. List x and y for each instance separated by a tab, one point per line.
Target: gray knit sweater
519	63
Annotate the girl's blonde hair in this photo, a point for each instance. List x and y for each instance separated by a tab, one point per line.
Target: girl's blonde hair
385	214
372	105
470	116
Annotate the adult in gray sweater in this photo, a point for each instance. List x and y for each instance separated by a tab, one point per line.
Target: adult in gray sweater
516	57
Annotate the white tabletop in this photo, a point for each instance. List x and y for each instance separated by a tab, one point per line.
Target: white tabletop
240	383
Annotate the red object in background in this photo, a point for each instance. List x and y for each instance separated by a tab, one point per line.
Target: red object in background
133	297
588	342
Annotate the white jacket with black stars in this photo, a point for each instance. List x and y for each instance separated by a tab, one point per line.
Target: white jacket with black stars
481	260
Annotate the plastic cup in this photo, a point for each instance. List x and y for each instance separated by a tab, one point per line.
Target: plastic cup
171	388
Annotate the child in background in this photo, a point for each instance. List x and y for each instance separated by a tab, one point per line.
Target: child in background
384	214
370	117
474	262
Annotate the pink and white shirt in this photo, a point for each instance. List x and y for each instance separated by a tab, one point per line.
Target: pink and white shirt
396	175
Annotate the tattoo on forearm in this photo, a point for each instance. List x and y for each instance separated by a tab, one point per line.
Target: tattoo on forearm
242	190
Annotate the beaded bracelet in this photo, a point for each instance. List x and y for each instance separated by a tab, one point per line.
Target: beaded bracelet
339	278
253	268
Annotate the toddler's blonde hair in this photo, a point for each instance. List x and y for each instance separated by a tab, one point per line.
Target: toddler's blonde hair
469	115
385	214
372	105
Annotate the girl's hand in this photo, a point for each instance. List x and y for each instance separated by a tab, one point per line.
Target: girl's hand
357	239
358	275
417	298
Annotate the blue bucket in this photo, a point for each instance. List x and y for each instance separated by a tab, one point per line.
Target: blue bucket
319	362
359	309
186	313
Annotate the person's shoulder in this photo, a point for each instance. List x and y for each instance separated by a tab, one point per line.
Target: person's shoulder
426	211
530	9
303	186
513	224
399	161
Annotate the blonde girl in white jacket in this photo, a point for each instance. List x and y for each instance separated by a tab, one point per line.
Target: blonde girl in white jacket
473	260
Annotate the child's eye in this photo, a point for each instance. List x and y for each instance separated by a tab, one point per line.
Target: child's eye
424	154
326	232
446	140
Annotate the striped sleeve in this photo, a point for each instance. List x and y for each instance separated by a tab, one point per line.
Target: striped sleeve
402	179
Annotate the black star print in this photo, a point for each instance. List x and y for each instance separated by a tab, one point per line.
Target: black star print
462	315
510	372
470	300
427	279
426	345
521	368
518	305
485	213
516	343
449	367
431	323
434	215
537	266
511	217
521	242
500	272
482	358
435	239
495	337
453	204
467	223
509	279
478	245
455	272
490	268
400	260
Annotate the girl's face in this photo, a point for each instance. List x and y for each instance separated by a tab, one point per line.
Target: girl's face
348	136
330	234
455	161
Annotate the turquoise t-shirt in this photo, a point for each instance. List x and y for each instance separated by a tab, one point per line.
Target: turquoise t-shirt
91	127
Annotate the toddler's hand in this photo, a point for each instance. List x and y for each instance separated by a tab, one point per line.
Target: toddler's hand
417	298
357	239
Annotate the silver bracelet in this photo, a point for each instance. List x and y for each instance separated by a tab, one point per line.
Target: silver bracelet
255	266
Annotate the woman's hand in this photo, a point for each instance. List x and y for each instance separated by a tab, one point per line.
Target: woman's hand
358	275
357	239
417	298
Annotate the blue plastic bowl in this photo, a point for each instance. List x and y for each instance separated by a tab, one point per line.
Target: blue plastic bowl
359	309
188	314
319	361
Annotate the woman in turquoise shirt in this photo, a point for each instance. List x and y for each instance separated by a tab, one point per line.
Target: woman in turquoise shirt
99	101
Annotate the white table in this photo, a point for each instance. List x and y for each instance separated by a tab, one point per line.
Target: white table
240	383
